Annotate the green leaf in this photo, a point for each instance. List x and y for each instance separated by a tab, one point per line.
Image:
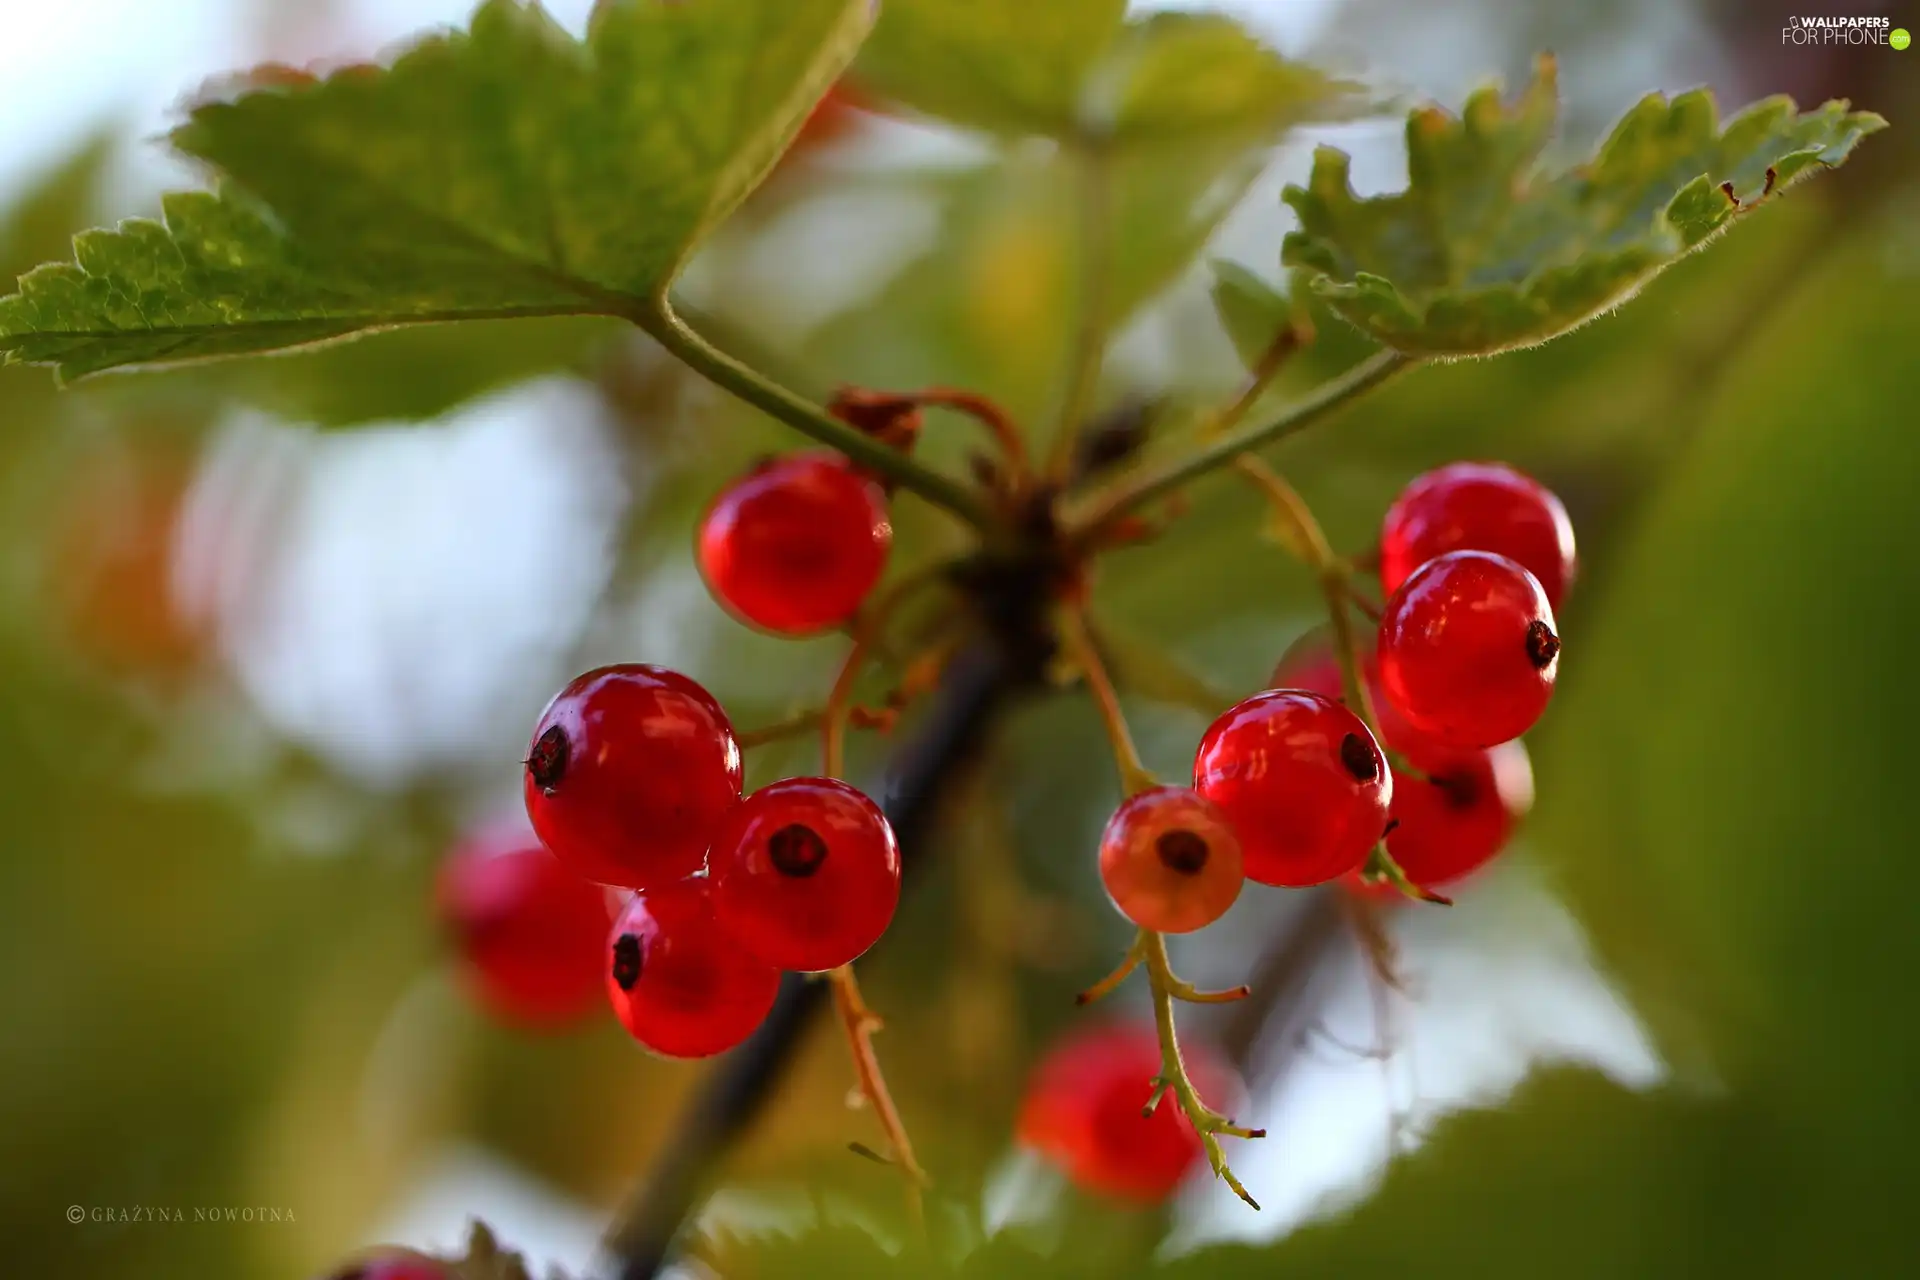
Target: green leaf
1186	75
506	171
43	219
1077	69
1005	66
1252	311
411	374
1482	253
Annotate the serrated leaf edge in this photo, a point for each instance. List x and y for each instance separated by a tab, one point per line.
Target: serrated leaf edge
1632	267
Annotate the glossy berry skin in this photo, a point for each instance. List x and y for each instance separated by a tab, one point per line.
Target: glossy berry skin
630	771
1479	506
1319	672
1468	650
806	873
1170	860
679	983
1455	818
529	931
794	546
1082	1111
1301	780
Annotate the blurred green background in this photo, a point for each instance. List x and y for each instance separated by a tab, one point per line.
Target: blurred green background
258	672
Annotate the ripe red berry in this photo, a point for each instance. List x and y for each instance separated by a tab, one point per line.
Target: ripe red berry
1453	820
1316	670
1479	506
1170	861
794	546
679	983
395	1265
805	873
1083	1111
1468	651
630	770
530	932
1301	780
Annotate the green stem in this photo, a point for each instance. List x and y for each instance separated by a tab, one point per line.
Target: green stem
1274	359
1328	570
1142	668
810	419
1332	573
1090	344
792	727
1135	777
1147	485
1207	1122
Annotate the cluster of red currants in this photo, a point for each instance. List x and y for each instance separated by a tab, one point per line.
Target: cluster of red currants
634	780
1291	787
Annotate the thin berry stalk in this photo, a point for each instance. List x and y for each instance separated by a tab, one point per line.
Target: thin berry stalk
1134	775
779	730
1150	948
1272	361
1144	486
1332	574
1207	1122
856	1019
859	1022
838	709
1328	569
1012	444
810	419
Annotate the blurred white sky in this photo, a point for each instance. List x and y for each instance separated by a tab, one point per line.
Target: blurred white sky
69	65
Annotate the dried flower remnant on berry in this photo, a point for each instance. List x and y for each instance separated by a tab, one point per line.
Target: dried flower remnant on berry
1183	851
796	850
1543	646
547	762
1359	756
626	961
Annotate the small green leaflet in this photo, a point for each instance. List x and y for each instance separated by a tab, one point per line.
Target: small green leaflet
1482	253
1077	69
1252	311
504	171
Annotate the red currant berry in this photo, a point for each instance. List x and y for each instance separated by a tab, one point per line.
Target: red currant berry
680	985
1479	506
1317	671
1451	822
630	770
1170	861
1468	652
395	1266
806	873
796	545
1302	782
530	932
1083	1111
